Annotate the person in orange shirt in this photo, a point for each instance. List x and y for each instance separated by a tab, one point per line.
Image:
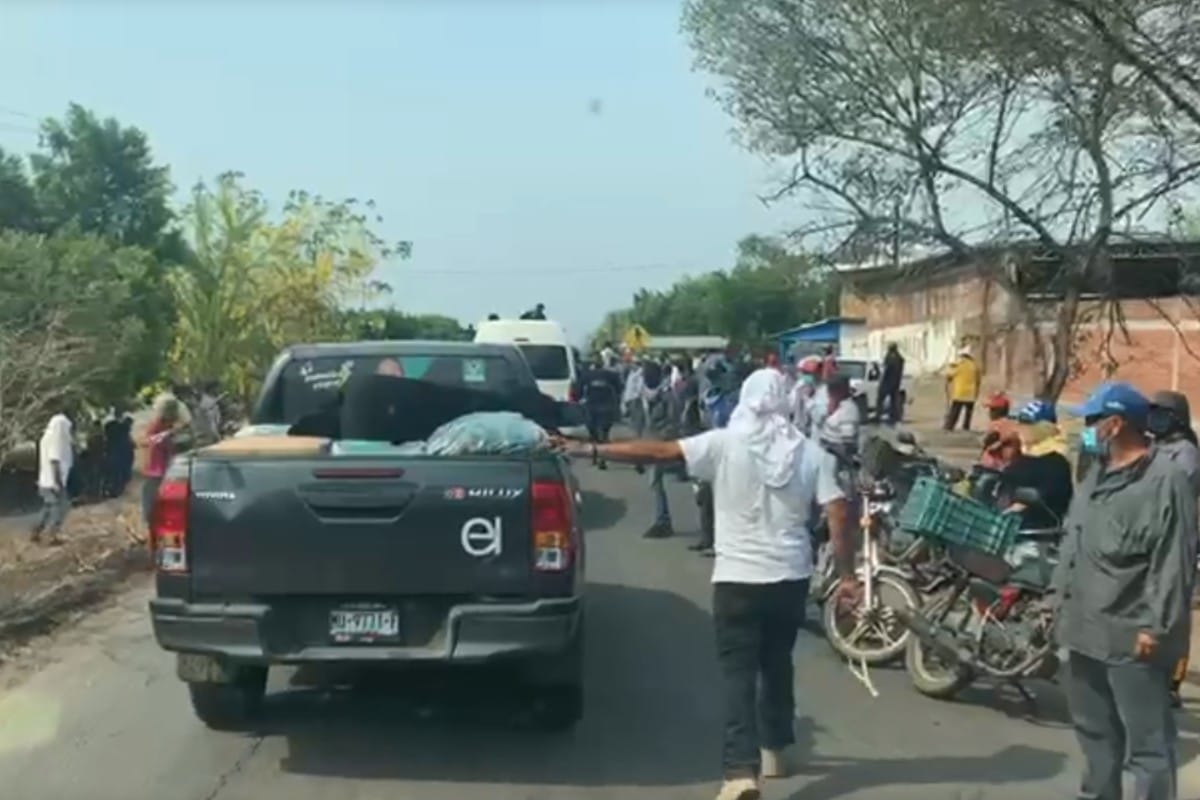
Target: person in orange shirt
1002	442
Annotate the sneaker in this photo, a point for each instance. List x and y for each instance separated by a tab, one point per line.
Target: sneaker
602	465
777	763
739	789
659	530
699	547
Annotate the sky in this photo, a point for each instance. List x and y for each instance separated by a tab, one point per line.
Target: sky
554	151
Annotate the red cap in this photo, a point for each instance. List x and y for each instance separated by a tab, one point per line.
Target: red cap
998	400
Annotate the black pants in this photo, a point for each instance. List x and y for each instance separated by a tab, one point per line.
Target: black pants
957	407
888	396
704	499
1122	716
600	423
756	627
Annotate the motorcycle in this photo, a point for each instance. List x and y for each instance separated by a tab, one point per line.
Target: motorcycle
992	619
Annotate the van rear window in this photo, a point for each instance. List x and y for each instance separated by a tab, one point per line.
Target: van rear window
548	361
308	386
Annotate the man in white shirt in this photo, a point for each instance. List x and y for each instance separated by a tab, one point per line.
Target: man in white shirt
56	455
766	476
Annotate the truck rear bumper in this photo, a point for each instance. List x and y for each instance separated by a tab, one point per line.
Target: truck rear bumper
251	633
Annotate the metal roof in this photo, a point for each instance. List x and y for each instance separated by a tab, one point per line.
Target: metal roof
813	326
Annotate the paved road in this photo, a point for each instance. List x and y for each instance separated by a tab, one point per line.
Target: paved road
104	719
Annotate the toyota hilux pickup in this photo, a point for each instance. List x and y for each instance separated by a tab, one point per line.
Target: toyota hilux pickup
283	549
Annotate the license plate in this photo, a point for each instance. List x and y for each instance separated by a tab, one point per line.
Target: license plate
363	625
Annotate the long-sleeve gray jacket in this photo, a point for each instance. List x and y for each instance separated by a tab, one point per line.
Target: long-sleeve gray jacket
1128	561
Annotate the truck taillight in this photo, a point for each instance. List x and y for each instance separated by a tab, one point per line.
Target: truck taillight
168	526
553	527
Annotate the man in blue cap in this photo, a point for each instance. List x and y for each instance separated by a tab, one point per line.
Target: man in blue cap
1122	596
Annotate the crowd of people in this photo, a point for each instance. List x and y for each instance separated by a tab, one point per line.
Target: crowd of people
767	446
99	463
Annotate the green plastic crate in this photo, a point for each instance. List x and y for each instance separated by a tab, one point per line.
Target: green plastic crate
935	511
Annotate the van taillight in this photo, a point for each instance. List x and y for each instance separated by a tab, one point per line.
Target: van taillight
168	526
572	394
553	527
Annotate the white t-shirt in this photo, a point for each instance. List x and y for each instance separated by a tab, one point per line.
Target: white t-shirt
55	445
761	534
842	426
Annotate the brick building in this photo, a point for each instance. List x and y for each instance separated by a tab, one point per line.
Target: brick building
1149	335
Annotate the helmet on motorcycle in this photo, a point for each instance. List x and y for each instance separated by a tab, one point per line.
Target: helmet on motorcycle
1037	411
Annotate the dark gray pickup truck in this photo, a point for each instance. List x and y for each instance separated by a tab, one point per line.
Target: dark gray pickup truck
370	557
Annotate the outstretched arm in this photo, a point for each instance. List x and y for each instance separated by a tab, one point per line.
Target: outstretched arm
644	451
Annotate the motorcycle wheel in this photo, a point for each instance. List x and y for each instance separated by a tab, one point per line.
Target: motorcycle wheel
926	670
929	676
840	624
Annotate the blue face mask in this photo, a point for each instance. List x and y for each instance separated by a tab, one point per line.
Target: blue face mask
1089	442
806	379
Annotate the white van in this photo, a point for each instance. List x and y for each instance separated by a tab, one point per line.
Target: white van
545	345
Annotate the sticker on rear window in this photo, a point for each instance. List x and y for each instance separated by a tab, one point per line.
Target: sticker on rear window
474	370
327	380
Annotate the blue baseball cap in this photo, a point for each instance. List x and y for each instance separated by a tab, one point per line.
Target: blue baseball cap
1037	411
1115	398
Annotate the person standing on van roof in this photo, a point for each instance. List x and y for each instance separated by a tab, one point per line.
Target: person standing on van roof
537	312
1122	595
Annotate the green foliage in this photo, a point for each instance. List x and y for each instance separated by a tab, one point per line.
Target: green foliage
256	286
67	327
769	289
18	204
391	323
101	177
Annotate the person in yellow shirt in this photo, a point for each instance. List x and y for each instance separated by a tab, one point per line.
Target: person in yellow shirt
962	383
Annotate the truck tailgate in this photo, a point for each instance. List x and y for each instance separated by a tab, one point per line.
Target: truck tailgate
359	526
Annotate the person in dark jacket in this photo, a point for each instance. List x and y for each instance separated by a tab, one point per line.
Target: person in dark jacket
657	414
1122	595
600	389
537	312
889	385
1170	423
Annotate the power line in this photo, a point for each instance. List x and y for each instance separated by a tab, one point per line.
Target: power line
15	113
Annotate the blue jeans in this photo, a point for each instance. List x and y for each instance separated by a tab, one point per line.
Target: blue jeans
55	504
662	511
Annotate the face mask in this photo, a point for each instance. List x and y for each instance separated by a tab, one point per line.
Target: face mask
1091	441
806	379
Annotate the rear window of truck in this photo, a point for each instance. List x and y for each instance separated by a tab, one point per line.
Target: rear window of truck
306	386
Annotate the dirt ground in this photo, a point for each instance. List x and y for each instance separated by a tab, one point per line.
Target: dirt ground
42	584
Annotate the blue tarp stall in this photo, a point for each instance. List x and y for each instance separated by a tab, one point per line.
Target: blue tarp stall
813	337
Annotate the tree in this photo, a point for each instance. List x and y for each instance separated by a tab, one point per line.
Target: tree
770	288
18	205
101	177
256	286
391	323
66	331
925	123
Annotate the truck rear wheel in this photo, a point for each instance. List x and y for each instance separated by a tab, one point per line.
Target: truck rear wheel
230	706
